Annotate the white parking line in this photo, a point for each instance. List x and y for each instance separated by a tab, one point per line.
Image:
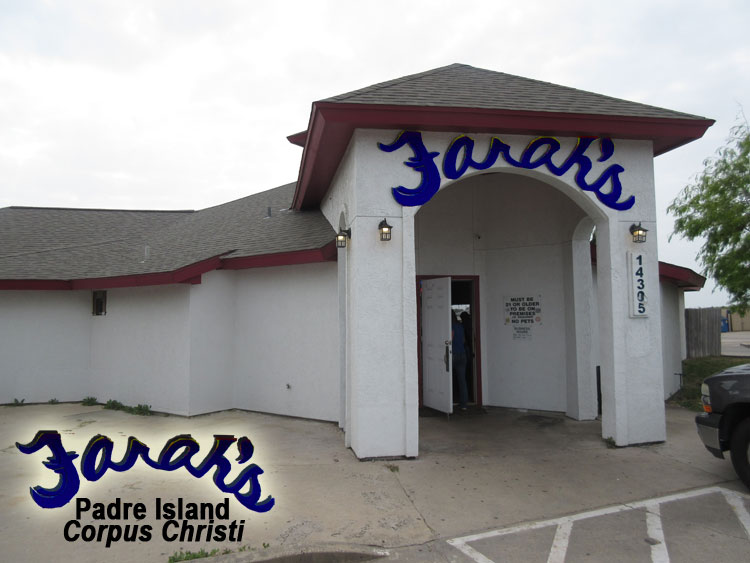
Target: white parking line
735	501
655	531
659	553
560	543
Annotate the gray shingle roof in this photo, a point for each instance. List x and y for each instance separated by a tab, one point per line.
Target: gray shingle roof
69	244
464	86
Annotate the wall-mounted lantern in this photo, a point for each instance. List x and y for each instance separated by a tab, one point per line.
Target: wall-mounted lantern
385	230
638	232
342	237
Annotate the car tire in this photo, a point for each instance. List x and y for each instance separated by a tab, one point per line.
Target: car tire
739	450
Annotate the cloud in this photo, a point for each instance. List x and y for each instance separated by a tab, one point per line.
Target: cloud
186	104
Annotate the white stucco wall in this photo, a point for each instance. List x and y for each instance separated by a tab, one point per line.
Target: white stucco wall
140	349
44	345
213	340
263	339
287	341
672	335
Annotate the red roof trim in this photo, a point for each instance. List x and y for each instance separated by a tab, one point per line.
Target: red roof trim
35	284
332	125
189	274
325	254
684	278
298	138
186	274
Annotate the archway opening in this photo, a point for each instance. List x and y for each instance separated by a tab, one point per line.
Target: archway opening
514	244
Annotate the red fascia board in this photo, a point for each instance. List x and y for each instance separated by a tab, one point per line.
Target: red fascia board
189	274
332	125
324	254
684	278
309	154
48	285
298	138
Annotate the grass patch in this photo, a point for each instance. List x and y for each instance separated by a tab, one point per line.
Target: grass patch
89	401
694	371
53	401
142	410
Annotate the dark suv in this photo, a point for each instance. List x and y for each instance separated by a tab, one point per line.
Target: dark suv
726	423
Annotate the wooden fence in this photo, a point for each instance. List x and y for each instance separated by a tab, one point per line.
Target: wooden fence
737	322
703	332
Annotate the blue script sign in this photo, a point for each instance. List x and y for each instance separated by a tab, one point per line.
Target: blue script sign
459	158
177	452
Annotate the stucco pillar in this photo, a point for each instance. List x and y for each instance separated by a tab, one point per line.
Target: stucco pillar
409	323
631	358
342	294
382	400
581	383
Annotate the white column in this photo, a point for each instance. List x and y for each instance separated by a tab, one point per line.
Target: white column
342	279
581	384
631	359
409	323
376	379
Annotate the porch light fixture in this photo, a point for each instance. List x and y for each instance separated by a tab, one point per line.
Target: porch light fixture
342	237
638	232
385	230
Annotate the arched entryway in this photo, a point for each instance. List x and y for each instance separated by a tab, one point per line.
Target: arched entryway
522	244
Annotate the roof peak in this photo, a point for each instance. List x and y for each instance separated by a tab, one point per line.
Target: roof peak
461	85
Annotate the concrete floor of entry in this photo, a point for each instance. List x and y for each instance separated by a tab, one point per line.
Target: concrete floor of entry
485	470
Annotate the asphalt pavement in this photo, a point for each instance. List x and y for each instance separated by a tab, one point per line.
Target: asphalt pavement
490	485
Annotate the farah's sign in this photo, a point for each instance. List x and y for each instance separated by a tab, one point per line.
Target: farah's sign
459	158
177	452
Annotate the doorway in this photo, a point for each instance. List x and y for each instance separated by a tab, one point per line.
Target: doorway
463	300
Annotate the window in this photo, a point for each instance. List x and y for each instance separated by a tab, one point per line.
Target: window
99	303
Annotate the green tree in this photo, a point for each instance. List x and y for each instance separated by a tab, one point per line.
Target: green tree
716	207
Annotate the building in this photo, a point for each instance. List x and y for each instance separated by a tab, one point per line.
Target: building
456	187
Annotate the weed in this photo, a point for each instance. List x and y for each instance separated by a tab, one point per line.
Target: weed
266	545
393	467
17	403
188	555
610	442
89	401
53	401
142	410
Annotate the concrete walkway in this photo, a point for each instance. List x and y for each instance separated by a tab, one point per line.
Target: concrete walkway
476	473
735	343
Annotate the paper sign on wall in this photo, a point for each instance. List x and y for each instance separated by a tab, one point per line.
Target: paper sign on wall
522	313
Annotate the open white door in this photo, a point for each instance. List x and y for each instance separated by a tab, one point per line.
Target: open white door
437	358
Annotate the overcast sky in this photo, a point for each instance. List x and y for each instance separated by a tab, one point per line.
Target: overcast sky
184	104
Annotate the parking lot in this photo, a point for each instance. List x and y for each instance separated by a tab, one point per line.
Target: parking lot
493	485
700	525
